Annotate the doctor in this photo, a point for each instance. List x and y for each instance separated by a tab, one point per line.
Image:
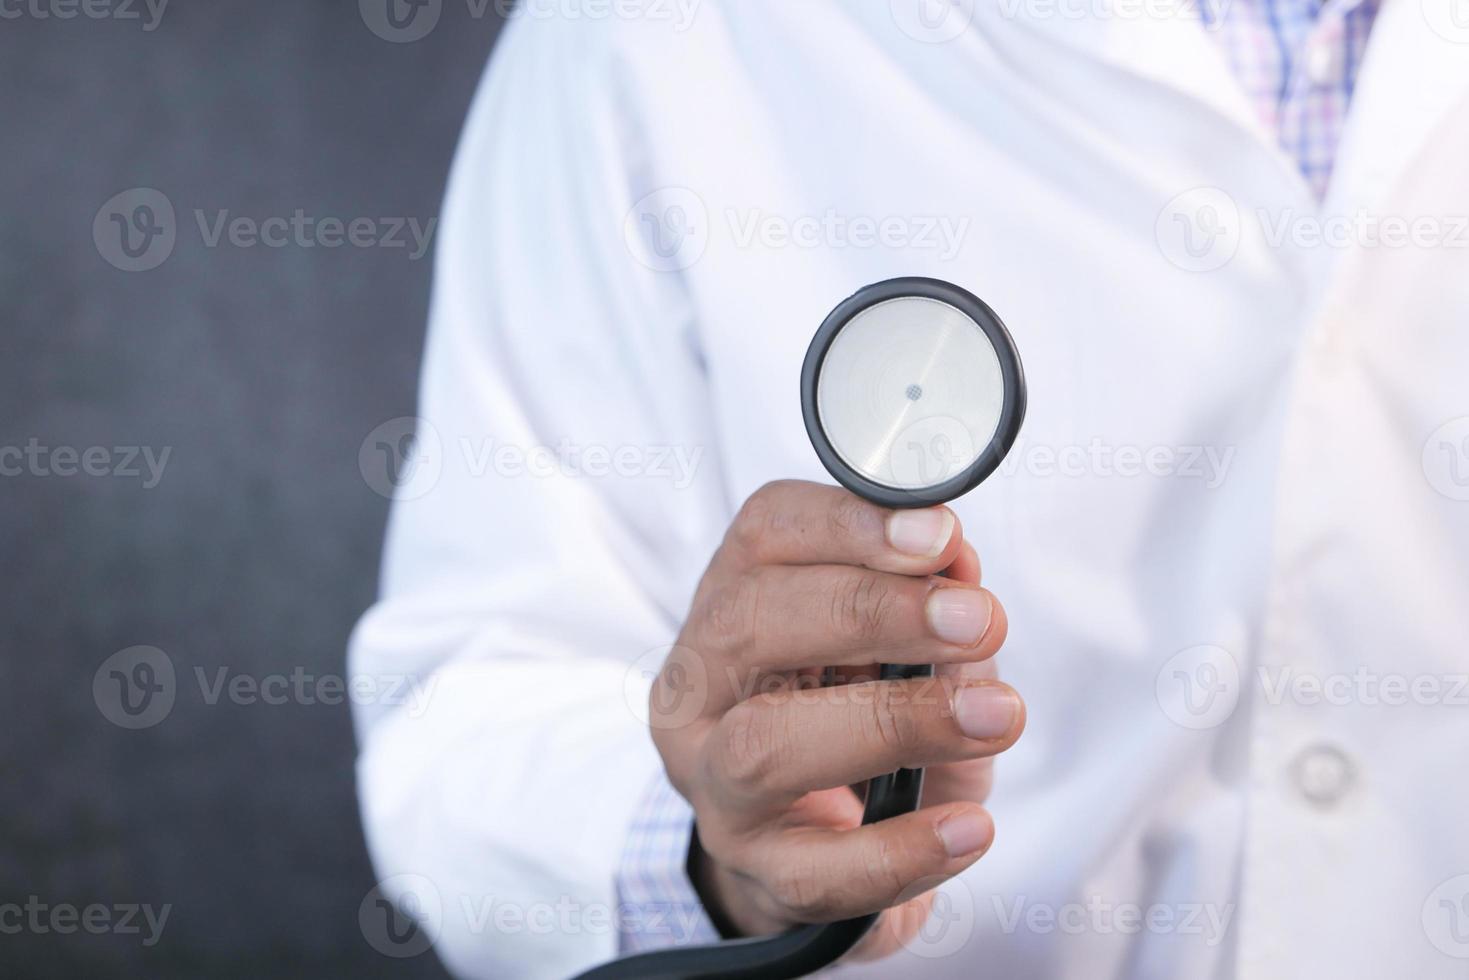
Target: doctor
1231	550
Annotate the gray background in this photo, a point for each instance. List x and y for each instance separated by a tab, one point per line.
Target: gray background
262	370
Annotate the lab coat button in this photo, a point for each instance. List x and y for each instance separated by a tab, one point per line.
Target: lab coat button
1324	774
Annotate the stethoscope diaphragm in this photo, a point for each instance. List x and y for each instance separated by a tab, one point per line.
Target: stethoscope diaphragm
912	392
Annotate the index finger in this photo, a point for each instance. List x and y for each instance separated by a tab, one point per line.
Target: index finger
793	522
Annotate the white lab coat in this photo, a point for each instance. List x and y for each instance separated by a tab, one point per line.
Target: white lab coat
1243	477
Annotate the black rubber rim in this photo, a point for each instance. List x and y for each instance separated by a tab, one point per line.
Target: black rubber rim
1012	410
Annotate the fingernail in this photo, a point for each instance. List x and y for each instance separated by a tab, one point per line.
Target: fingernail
964	833
985	710
959	615
924	533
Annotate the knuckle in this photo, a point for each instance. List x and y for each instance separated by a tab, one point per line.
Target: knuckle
847	518
731	610
881	870
800	892
890	721
751	750
757	516
862	610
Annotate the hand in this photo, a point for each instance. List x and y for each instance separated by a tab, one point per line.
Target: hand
811	589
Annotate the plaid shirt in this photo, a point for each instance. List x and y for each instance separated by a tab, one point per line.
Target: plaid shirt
1298	61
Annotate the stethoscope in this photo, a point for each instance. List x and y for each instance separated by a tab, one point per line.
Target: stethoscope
913	393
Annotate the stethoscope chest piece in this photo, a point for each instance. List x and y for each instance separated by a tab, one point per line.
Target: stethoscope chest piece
912	392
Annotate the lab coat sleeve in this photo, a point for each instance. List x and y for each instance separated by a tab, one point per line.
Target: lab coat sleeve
563	500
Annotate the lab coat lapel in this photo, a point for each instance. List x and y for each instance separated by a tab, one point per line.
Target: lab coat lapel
1163	41
1415	72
